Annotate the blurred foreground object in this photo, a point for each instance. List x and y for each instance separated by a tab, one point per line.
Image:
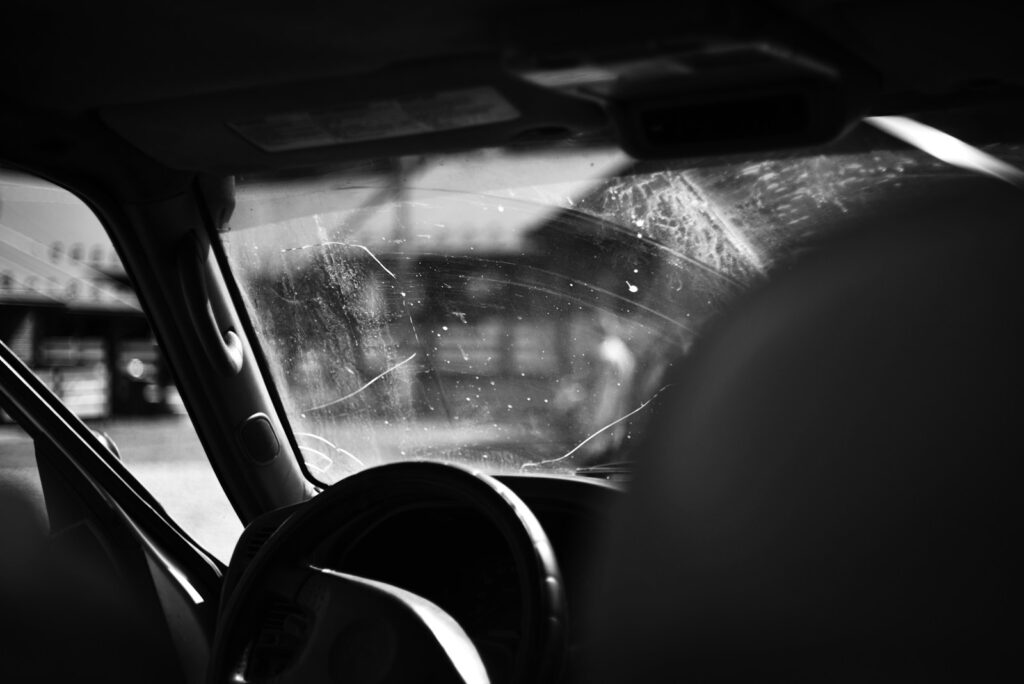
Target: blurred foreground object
63	617
832	491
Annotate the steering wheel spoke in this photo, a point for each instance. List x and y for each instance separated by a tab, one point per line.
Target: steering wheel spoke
368	631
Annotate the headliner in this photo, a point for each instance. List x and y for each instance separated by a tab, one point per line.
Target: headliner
165	78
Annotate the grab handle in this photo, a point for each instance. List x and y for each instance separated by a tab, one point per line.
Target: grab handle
223	349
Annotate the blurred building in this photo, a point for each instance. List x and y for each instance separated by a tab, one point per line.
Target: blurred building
66	306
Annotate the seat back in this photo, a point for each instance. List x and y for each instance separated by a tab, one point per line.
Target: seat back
832	490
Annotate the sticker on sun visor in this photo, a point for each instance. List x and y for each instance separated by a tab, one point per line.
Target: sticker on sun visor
377	120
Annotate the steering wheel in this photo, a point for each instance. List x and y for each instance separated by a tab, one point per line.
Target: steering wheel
289	619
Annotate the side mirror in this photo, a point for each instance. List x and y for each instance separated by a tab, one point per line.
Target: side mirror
106	441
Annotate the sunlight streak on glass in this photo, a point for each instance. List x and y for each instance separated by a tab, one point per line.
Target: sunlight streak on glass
947	148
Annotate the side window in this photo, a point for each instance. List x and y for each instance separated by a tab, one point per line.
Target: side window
77	323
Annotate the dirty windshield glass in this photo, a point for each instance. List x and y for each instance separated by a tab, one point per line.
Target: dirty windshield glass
510	309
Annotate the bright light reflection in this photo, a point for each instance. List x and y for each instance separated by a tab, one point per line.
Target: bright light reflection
947	148
136	368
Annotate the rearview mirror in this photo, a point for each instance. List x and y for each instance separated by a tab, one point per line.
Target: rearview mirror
713	99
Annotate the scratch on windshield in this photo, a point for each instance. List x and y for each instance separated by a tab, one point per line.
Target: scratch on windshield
364	387
332	445
342	244
609	426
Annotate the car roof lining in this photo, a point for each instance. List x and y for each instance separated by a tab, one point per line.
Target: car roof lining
169	79
116	53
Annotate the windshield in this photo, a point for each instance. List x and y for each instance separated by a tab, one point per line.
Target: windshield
515	310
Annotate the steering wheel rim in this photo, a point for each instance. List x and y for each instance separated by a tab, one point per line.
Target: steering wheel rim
299	544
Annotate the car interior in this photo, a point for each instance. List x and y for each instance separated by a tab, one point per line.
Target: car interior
794	460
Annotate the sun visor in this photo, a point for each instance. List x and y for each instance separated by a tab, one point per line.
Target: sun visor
437	107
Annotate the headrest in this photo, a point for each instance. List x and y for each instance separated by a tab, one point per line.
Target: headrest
831	491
